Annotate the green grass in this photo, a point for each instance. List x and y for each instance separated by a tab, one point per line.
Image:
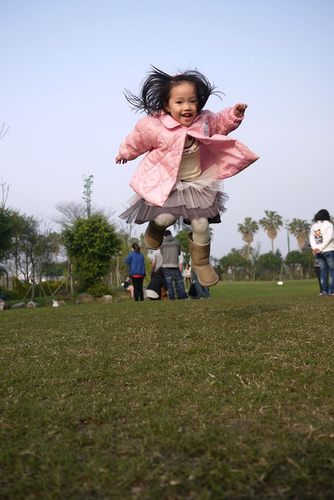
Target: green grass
250	289
227	398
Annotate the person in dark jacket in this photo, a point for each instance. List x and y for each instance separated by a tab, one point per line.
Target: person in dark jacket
128	287
156	285
136	263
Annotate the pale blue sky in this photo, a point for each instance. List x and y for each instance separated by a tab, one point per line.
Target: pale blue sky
64	65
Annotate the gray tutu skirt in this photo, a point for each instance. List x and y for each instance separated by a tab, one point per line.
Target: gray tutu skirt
201	198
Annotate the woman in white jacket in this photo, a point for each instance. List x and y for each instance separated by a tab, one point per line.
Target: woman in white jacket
322	243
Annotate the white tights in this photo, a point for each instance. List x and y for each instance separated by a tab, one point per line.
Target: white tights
200	227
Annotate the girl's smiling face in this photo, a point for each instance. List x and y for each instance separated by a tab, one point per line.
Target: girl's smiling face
182	103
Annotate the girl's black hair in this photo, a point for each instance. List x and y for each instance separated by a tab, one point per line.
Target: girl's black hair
136	247
155	90
322	215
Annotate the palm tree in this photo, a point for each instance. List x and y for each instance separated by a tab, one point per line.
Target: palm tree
300	229
248	229
271	223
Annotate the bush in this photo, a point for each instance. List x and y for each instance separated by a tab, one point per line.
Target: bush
99	290
9	294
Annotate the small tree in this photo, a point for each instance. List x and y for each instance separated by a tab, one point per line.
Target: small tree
91	243
24	243
6	231
69	213
293	262
299	263
269	265
237	261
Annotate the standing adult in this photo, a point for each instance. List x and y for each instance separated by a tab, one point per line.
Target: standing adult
201	291
136	263
322	243
170	251
156	261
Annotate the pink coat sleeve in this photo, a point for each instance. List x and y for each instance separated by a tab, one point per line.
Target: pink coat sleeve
138	142
224	122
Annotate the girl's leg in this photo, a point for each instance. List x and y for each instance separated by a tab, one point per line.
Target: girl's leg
199	245
201	233
154	233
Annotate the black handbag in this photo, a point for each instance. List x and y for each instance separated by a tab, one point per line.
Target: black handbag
192	290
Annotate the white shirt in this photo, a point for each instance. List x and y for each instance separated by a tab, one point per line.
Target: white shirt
321	236
157	259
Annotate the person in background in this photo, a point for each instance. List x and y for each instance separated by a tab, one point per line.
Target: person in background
156	261
201	291
157	287
181	264
136	263
128	287
187	274
170	251
181	267
322	243
316	267
157	282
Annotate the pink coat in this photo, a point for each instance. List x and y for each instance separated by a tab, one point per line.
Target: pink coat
163	138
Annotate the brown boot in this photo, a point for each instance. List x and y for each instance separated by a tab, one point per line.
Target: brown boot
154	236
200	263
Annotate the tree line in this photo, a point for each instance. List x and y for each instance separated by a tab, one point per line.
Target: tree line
88	252
248	263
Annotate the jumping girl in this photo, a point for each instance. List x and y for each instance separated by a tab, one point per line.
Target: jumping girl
188	152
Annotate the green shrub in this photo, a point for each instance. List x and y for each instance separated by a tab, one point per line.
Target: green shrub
98	290
9	294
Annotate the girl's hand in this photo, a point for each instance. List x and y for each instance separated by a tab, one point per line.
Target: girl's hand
119	159
239	110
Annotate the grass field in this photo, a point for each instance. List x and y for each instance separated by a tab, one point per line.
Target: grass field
225	398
